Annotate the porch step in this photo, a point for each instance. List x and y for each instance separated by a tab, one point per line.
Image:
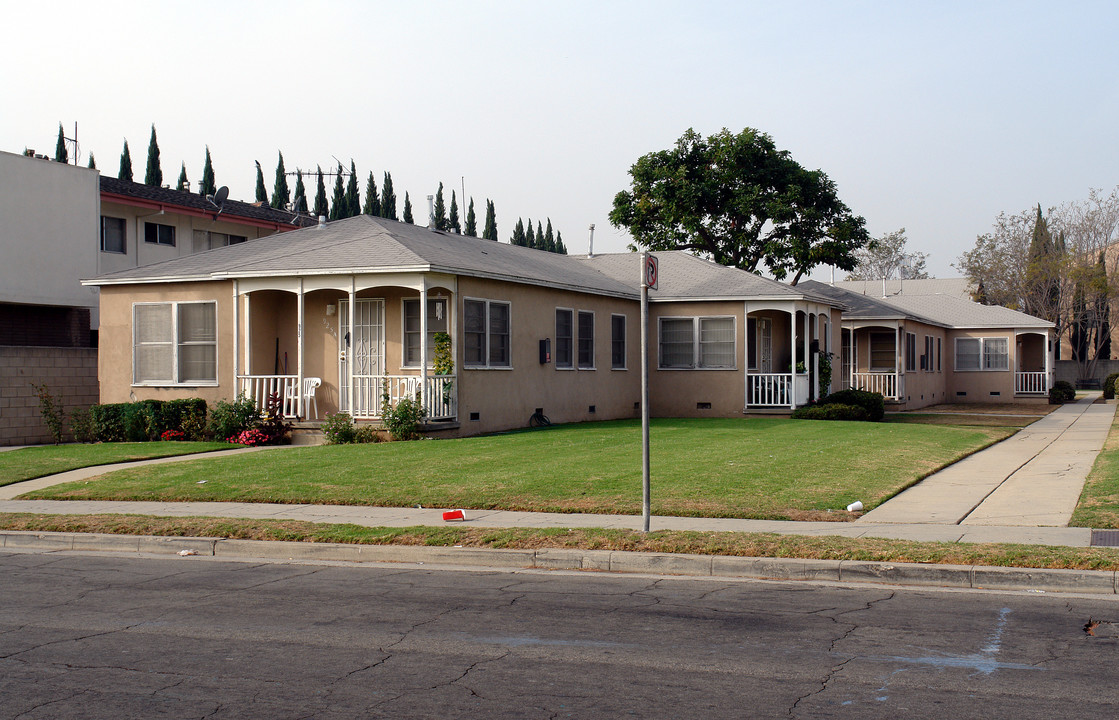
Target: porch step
307	435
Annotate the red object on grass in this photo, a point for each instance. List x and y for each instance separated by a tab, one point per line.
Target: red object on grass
454	515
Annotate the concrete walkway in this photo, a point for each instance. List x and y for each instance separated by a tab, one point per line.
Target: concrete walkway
1032	479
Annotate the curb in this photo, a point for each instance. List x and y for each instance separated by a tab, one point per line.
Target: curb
977	577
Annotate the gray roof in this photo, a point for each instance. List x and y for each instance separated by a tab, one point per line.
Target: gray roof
956	287
684	276
859	307
956	313
182	198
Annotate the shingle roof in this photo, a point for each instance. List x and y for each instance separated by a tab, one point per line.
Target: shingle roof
684	276
956	287
859	307
234	208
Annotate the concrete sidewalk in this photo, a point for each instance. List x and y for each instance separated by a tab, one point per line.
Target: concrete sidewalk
1032	479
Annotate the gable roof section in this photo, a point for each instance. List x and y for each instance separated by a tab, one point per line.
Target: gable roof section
685	277
859	307
126	192
956	287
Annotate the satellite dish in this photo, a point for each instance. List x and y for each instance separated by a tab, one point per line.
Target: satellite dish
218	198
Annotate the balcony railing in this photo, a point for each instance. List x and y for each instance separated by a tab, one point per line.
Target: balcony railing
1026	383
442	398
884	383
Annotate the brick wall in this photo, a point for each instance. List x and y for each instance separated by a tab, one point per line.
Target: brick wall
69	373
44	325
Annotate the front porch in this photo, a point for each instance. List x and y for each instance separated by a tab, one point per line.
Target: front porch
791	337
370	395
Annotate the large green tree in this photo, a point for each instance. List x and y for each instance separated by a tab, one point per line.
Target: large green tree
153	175
407	216
489	230
886	257
338	206
388	198
60	153
125	172
530	236
372	197
560	248
740	201
353	196
440	210
519	233
471	226
261	192
300	193
207	186
321	208
281	196
453	223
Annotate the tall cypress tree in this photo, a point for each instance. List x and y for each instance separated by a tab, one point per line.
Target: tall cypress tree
353	196
60	153
154	174
489	232
407	216
183	185
125	172
1103	311
471	227
539	237
559	244
300	193
549	239
338	201
1043	272
388	198
372	199
518	234
281	197
261	193
452	221
530	237
321	208
207	186
92	163
440	210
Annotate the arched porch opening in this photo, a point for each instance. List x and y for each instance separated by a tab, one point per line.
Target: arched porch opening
1031	373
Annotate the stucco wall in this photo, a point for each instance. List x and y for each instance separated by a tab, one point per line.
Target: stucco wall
700	392
980	385
70	375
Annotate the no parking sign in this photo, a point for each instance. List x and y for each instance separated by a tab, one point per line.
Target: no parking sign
651	271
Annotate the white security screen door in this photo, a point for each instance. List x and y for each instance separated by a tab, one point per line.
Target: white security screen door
765	345
363	356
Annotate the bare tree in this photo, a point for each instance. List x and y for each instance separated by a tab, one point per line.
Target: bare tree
886	258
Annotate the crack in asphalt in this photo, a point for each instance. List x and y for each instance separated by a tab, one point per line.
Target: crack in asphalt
30	710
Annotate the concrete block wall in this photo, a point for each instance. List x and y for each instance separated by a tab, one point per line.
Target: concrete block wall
1069	370
69	373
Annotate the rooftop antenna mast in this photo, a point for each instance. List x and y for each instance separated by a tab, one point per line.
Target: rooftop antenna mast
73	142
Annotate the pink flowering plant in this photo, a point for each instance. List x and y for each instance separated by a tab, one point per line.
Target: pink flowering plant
170	435
252	438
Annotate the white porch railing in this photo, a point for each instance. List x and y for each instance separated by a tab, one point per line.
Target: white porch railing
1031	382
769	389
442	400
258	387
884	383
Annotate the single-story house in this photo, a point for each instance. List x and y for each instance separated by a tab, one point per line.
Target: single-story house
355	305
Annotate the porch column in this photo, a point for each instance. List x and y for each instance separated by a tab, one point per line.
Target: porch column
792	358
899	376
746	353
423	345
299	352
807	342
1048	366
248	334
348	349
236	336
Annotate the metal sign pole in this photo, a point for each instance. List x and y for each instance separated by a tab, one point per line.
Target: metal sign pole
645	512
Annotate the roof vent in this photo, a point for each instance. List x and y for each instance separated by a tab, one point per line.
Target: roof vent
322	221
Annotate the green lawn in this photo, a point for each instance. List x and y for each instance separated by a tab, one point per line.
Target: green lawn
1099	501
751	468
33	462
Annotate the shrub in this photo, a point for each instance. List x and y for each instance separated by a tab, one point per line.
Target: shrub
228	419
172	435
872	402
51	410
187	415
252	437
367	434
81	425
1109	386
835	411
339	429
107	422
403	421
1067	390
274	425
142	420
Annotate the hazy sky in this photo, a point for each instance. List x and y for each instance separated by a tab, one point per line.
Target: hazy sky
933	116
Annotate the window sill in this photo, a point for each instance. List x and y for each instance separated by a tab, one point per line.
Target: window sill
201	383
487	367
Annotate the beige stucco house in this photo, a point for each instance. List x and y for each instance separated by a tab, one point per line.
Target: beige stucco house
355	305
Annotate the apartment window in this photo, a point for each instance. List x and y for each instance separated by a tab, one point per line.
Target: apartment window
205	240
938	366
112	235
882	355
586	340
927	358
174	343
704	342
982	354
618	342
487	333
436	323
910	352
159	234
565	336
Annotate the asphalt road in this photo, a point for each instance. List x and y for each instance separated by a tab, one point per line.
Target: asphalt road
101	636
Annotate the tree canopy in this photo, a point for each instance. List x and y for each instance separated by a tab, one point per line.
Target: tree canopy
207	186
740	201
885	258
153	173
125	172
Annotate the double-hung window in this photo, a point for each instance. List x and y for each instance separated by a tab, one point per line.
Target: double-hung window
982	353
159	234
112	235
436	323
698	342
910	352
617	342
174	343
586	340
565	336
486	341
927	358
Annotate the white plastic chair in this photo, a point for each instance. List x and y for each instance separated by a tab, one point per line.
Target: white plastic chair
310	384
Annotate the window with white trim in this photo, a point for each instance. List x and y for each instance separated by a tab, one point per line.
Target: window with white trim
938	366
697	342
617	342
112	235
910	352
927	358
174	343
159	234
486	331
436	323
978	354
565	337
206	240
586	340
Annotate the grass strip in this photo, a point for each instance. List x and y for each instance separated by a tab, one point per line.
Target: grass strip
664	541
41	460
1099	500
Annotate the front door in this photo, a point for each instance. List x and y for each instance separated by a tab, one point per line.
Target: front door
362	356
765	345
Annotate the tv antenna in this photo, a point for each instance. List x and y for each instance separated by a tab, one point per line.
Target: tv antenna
218	198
